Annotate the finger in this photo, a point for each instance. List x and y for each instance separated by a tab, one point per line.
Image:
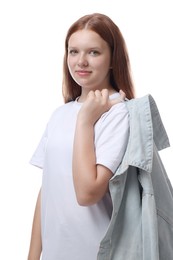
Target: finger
98	93
122	95
91	94
105	93
119	99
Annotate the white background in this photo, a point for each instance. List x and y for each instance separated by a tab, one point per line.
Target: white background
31	51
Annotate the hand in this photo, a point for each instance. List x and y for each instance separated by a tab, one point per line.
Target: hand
97	103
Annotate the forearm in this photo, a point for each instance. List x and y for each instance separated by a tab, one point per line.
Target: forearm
84	161
35	243
90	180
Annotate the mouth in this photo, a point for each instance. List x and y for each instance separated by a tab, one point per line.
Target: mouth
83	72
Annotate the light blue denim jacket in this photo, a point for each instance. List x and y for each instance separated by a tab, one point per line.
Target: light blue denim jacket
141	227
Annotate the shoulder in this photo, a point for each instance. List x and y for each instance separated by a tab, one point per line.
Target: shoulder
61	110
117	110
59	114
120	107
116	119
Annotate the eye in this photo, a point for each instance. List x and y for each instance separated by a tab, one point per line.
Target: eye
73	52
94	52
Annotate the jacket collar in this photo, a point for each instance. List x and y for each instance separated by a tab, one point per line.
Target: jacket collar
146	129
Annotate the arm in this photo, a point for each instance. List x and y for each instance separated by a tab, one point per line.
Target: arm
90	180
35	243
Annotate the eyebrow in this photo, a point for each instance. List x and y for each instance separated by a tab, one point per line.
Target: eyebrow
95	47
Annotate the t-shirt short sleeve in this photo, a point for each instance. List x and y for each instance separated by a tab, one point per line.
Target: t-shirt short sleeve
38	157
111	136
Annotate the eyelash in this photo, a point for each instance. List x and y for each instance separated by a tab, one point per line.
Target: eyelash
73	52
92	52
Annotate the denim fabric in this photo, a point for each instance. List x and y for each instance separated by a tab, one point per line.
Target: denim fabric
141	226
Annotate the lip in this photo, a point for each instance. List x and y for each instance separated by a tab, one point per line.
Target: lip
83	72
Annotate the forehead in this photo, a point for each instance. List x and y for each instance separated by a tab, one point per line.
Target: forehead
86	37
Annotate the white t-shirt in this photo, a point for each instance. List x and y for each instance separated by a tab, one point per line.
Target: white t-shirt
71	231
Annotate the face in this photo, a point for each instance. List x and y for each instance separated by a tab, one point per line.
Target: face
89	60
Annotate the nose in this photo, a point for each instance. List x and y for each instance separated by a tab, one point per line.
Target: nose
82	62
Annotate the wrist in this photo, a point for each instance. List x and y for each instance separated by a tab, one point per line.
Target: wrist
84	121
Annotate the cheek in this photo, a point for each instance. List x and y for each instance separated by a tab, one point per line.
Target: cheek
103	63
71	64
104	67
68	62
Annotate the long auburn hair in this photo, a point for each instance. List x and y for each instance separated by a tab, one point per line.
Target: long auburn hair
120	74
